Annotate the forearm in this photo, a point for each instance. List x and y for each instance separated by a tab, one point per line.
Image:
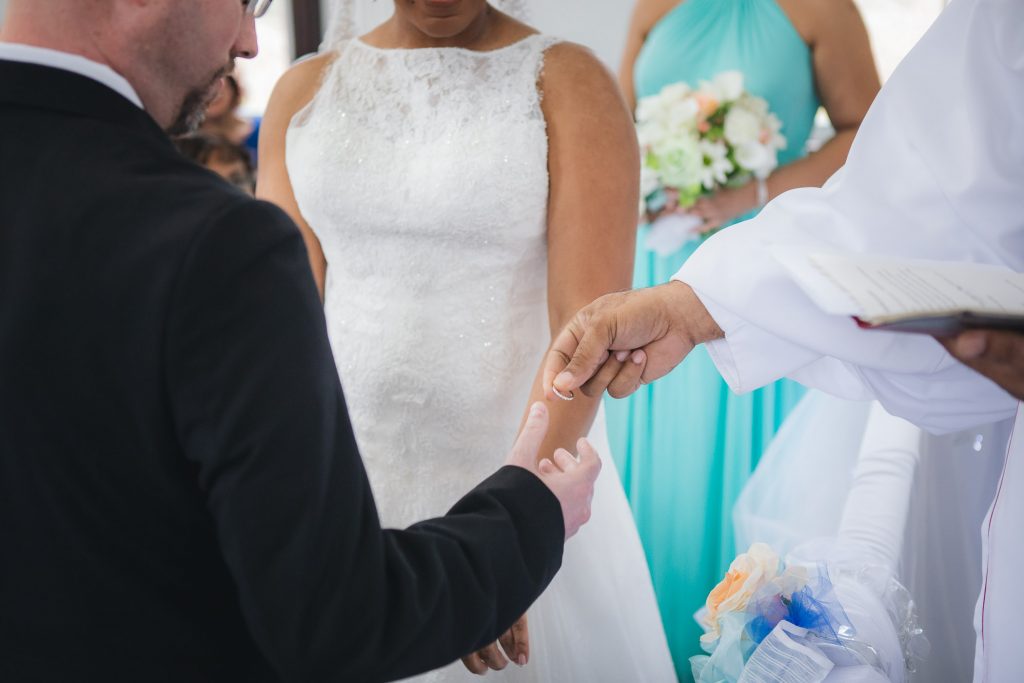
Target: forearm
570	420
815	168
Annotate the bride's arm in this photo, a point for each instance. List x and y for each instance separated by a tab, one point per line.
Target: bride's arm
293	92
594	167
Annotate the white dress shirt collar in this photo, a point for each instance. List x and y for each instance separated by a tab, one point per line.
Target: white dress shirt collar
16	52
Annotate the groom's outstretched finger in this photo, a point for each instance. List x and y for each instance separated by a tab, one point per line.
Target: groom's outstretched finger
524	452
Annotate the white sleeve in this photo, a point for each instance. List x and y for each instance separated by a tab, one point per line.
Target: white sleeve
929	176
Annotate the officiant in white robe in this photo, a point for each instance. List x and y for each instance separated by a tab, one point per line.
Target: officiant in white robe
936	172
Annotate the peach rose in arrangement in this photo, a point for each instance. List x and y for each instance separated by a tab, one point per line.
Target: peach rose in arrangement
747	574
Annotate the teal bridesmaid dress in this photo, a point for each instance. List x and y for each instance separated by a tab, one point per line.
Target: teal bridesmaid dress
686	445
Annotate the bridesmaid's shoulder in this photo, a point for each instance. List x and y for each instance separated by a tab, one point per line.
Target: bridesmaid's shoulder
647	13
296	88
818	19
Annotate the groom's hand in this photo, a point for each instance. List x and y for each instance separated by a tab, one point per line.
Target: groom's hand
515	644
626	339
571	479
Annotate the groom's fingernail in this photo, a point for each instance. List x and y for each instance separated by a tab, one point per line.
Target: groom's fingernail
564	379
638	357
522	660
621	356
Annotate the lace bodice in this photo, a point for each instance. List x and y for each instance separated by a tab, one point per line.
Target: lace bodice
424	175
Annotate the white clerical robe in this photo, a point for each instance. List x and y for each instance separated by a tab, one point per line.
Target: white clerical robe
936	171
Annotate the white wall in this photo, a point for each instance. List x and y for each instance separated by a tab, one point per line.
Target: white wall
598	24
3	6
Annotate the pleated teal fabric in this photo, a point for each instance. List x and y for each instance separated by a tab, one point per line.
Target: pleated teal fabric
686	445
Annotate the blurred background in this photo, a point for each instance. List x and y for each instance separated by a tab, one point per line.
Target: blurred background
293	28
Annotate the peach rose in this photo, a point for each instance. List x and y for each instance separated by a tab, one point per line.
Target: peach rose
747	574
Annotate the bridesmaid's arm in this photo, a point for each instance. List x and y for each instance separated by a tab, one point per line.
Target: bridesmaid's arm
847	82
646	13
293	92
594	168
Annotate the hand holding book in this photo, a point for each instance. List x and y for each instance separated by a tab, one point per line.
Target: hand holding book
975	311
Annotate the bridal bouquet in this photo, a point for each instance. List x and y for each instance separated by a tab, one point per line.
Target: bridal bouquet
693	142
766	621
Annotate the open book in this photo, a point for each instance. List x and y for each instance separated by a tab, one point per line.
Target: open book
931	297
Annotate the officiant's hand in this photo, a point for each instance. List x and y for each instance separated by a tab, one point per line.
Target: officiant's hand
570	478
515	647
997	354
626	339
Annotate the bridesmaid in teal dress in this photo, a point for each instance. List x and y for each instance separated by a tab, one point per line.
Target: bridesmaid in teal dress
686	445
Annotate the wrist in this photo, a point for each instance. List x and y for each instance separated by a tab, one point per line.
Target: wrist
761	192
690	319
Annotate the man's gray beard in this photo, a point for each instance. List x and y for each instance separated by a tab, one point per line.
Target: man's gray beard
192	113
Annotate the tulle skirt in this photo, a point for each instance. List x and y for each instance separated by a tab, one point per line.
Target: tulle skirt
802	484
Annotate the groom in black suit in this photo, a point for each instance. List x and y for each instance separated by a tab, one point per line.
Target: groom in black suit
181	497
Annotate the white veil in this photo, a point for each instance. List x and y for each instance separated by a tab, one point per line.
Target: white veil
350	18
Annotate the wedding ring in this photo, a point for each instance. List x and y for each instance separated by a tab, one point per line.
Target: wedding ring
562	396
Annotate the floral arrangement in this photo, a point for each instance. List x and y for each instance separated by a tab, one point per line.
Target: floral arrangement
766	618
693	142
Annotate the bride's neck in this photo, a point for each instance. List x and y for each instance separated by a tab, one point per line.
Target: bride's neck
401	32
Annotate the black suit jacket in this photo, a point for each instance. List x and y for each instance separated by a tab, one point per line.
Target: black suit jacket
181	497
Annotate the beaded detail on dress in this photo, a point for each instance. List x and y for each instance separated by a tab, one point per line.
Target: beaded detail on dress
424	175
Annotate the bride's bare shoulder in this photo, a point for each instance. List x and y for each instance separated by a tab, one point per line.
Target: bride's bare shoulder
575	77
297	87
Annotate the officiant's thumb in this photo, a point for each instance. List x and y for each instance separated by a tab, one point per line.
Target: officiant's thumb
582	358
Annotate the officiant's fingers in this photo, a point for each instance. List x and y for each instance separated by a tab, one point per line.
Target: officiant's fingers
596	385
629	376
524	452
576	356
996	354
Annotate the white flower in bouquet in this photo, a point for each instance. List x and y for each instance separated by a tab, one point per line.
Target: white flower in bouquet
678	162
756	158
695	142
726	86
717	166
649	181
742	126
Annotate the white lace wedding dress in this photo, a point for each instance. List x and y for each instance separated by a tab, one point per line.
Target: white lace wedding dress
424	175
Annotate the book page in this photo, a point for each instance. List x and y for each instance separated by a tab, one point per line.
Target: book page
880	288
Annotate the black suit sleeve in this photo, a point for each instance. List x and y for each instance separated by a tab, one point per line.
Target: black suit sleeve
328	594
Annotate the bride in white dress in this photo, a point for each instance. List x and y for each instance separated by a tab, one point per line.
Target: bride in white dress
464	185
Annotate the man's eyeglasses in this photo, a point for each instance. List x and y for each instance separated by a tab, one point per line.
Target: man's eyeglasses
256	8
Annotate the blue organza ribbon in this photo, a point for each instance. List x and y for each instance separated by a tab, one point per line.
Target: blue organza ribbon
814	607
